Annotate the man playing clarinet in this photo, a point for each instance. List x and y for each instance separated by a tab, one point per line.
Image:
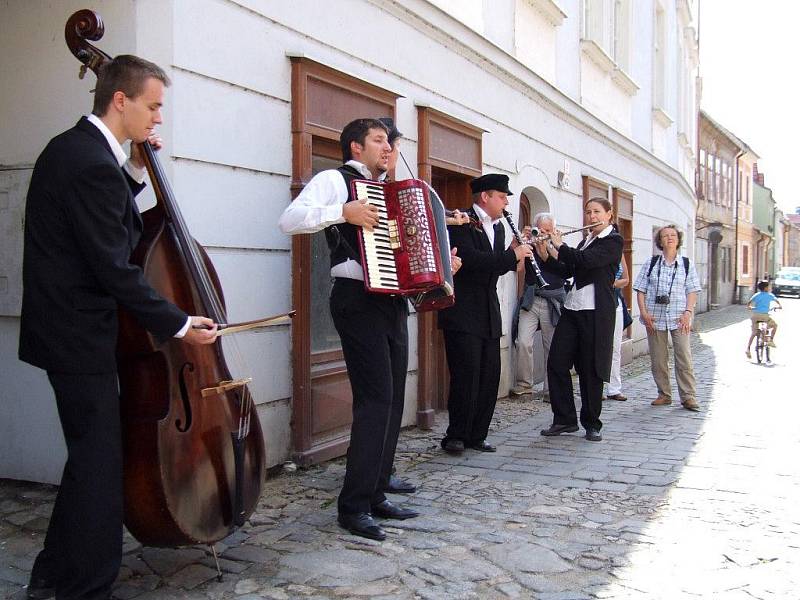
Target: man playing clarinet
472	327
372	327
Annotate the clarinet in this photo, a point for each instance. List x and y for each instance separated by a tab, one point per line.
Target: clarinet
519	239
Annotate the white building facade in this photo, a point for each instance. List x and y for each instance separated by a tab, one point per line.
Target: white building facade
570	99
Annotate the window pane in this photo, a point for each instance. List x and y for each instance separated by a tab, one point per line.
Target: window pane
323	333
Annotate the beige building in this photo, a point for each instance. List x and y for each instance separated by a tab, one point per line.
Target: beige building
715	224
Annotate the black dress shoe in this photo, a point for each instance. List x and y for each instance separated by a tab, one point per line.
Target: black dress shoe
483	446
40	589
362	524
593	435
453	446
559	429
399	486
387	510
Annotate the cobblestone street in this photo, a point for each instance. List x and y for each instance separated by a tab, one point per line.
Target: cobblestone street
672	504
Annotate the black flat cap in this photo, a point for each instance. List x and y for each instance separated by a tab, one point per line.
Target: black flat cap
394	133
490	181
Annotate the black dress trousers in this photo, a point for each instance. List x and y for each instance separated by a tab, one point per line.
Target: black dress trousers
83	546
374	333
474	364
574	345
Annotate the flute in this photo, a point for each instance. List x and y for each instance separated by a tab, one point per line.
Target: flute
538	235
519	239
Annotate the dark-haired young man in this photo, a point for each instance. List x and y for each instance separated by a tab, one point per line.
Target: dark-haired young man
81	224
372	327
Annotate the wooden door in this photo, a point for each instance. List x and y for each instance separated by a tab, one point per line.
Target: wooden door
323	102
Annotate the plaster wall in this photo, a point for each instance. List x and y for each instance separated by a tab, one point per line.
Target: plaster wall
228	147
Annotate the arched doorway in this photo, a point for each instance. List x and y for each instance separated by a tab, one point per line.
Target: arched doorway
532	201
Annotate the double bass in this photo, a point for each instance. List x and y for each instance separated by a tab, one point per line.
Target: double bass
194	458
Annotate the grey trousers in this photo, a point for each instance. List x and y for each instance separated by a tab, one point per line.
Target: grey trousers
658	343
537	316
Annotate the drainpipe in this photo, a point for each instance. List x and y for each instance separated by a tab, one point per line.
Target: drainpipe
736	230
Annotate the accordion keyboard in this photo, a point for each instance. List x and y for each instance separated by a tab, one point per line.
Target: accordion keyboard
380	243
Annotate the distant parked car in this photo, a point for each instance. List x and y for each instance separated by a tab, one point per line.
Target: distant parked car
787	282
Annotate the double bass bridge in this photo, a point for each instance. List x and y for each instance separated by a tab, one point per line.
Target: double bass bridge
224	386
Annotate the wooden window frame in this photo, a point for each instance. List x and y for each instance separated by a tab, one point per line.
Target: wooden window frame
428	157
316	122
624	219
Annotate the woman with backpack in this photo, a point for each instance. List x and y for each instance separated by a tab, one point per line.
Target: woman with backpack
666	291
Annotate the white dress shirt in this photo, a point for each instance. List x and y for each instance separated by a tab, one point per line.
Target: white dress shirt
488	226
320	205
583	299
136	174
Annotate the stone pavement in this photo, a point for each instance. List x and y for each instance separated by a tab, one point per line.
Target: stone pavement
672	504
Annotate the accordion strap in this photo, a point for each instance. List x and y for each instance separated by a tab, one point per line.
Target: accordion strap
335	239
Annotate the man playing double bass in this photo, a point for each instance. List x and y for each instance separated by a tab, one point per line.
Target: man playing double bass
81	225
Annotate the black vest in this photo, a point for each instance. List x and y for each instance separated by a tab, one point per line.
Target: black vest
343	237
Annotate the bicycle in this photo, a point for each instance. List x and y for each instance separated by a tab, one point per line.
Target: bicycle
763	340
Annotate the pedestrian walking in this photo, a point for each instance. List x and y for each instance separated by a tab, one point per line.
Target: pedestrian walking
614	390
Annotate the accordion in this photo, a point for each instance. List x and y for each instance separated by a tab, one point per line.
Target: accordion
408	251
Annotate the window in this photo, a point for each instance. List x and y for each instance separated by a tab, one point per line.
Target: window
323	101
622	34
723	264
660	60
607	23
623	212
701	176
724	192
745	259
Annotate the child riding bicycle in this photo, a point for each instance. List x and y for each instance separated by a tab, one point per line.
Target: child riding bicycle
760	304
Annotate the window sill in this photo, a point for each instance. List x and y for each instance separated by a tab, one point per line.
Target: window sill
624	82
550	10
661	117
598	56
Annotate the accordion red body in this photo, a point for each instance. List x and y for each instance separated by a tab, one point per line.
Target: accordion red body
408	252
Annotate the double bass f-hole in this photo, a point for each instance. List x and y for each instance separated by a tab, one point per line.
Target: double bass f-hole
187	405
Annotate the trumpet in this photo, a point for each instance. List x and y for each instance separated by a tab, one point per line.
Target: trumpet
539	236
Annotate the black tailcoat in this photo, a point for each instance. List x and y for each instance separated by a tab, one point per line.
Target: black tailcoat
472	328
598	265
477	308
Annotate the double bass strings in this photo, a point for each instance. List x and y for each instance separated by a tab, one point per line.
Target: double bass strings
211	299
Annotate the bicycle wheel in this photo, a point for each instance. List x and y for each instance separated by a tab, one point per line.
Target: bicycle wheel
760	347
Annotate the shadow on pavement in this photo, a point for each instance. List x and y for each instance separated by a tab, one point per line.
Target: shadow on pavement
542	517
